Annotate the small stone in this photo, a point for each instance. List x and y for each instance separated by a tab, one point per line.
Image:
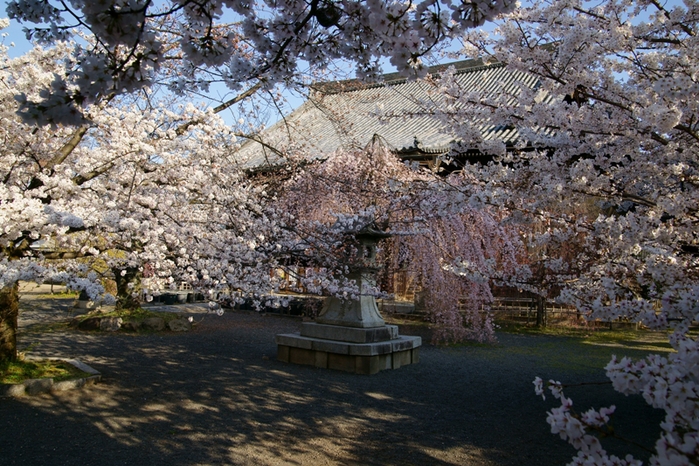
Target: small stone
179	325
36	386
12	390
110	324
154	323
131	325
91	323
67	385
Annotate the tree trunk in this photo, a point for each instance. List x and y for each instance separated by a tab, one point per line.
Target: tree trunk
9	314
125	299
540	311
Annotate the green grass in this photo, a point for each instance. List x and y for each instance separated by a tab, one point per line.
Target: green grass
392	320
618	340
47	327
642	340
13	372
558	350
58	295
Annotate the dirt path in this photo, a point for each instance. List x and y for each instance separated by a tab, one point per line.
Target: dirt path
217	395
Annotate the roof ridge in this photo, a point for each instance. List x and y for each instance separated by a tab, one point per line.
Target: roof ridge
393	79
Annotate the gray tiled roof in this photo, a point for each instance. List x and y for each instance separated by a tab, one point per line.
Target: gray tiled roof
343	115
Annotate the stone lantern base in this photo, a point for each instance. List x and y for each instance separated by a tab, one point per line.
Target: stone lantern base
350	334
350	349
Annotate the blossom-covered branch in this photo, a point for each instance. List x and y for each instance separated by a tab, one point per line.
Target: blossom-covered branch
241	41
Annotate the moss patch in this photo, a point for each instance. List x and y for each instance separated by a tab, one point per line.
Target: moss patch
132	320
58	295
132	315
140	314
13	372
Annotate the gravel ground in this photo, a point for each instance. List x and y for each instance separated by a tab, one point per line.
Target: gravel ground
217	395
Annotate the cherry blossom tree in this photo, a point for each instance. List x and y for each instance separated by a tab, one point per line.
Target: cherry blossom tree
174	202
147	189
434	233
607	155
27	154
455	259
246	43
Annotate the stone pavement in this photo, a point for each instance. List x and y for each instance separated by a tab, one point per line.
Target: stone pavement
217	395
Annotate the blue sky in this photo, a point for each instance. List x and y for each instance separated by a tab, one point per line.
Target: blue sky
14	34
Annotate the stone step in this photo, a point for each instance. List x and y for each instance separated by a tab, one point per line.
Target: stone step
349	334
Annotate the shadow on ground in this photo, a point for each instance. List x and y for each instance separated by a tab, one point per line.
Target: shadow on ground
217	395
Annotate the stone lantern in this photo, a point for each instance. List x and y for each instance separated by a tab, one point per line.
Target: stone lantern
350	334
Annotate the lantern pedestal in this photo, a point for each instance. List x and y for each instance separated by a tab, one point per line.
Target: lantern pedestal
350	334
359	350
